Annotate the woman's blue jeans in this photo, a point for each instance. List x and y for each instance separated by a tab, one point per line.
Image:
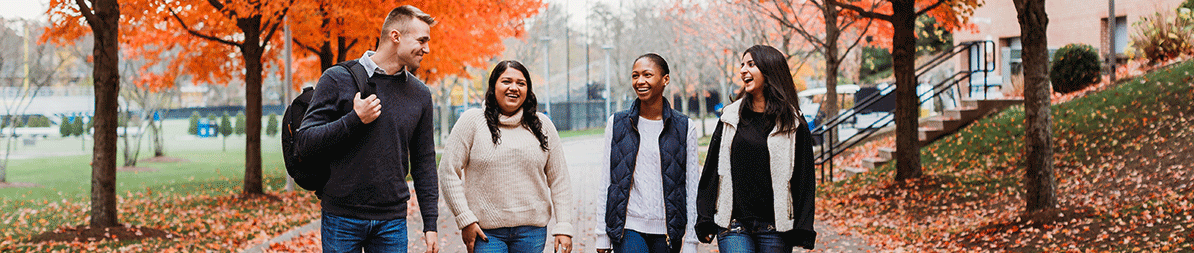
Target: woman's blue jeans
521	239
737	240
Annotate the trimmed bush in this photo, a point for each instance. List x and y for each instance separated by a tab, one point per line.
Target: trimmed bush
226	125
193	129
78	126
1075	66
1163	36
240	123
66	128
39	121
90	124
271	128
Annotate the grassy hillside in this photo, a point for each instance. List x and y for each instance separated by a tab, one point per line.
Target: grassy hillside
1122	161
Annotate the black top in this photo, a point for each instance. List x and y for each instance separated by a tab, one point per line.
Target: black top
750	168
369	162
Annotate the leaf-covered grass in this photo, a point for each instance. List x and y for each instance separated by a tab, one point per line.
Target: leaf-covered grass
198	201
1122	153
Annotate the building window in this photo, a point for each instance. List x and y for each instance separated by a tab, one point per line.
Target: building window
1120	36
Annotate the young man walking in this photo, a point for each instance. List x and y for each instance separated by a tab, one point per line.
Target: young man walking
369	142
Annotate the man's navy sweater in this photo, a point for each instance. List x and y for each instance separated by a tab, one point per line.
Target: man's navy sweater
368	162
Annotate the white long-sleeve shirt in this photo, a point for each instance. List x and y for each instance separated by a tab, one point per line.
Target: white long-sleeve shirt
645	210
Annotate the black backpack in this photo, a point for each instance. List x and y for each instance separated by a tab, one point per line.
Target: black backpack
312	173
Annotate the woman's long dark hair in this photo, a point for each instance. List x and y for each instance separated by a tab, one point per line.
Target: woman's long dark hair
778	88
530	106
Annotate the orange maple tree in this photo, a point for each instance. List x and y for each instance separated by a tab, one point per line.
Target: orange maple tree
901	15
467	34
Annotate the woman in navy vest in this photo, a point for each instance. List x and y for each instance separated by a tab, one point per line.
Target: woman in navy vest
757	188
650	172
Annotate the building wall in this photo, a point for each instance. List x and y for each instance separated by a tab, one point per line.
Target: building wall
1070	21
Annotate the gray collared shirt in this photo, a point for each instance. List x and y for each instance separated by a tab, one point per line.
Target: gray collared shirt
370	66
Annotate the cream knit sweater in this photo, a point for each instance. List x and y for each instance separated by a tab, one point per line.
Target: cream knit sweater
513	183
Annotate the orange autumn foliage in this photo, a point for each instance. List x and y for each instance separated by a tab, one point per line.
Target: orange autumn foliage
467	34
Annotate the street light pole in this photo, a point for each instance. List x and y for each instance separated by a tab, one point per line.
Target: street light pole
1111	55
607	75
547	72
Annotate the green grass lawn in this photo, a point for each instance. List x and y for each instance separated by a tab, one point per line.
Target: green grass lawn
1120	152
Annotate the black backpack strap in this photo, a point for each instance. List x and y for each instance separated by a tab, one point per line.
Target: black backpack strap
360	76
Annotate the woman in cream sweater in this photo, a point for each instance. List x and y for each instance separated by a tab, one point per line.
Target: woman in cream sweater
507	144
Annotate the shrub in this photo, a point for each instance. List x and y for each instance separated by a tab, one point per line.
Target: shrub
194	128
271	128
1188	4
66	128
1163	36
78	126
226	125
39	121
90	124
211	119
1075	66
240	123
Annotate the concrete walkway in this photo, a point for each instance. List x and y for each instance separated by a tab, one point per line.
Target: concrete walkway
583	155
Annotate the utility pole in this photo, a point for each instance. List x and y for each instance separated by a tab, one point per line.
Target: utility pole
1111	55
547	72
568	76
287	83
607	75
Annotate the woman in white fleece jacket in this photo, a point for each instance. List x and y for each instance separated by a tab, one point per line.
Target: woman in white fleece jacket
503	172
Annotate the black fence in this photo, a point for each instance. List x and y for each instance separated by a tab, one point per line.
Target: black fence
183	113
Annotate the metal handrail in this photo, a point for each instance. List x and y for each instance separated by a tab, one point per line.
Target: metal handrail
832	148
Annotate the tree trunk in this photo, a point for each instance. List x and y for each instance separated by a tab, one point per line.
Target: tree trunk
1039	181
158	150
129	159
903	55
252	51
105	26
829	107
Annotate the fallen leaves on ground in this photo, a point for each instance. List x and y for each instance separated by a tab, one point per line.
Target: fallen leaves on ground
222	222
1122	159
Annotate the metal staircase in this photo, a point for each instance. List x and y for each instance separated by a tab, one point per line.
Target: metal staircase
959	99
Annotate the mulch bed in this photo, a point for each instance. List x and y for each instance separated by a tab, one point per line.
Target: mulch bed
164	159
88	234
18	185
135	169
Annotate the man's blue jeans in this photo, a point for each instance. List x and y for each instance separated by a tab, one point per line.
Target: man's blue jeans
633	241
521	239
343	234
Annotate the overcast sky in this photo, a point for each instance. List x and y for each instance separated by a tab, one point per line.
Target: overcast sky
27	9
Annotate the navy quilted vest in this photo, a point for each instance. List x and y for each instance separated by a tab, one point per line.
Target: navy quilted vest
673	148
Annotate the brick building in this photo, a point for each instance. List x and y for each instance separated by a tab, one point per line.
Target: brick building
1070	21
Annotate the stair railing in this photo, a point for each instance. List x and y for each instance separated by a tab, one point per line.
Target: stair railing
827	131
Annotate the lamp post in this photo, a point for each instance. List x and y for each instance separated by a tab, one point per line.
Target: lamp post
607	75
1111	55
547	72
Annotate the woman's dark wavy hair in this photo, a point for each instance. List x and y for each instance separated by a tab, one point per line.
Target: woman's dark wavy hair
778	88
530	106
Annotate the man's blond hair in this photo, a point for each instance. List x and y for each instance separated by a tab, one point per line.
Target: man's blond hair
401	17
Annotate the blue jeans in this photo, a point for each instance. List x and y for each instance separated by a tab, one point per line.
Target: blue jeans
343	234
521	239
737	240
634	242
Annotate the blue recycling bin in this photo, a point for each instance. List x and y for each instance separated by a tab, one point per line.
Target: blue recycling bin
206	128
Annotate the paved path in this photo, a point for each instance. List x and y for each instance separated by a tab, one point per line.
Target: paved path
583	155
